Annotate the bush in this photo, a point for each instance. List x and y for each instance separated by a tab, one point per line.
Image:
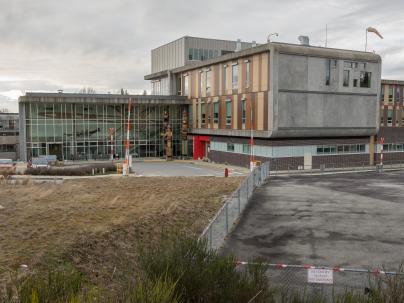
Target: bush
202	275
53	286
71	171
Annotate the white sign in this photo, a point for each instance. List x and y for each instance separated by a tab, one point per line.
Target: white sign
322	276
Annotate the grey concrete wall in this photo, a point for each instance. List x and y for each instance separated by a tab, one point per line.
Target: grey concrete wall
305	106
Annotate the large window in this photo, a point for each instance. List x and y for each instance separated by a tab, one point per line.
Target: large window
203	113
393	147
224	77
216	112
228	112
346	78
208	81
391	93
389	117
246	148
186	85
234	77
247	74
243	111
365	79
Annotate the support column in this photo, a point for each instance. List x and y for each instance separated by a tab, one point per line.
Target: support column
372	150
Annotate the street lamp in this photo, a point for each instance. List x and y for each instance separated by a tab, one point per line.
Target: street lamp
270	35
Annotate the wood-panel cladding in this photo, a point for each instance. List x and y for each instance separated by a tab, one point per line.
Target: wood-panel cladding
255	93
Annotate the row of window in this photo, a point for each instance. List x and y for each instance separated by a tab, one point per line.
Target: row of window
7	148
8	124
393	94
206	108
392	147
364	79
206	78
341	149
204	54
390	118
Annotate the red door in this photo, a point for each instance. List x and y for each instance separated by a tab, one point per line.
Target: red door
200	146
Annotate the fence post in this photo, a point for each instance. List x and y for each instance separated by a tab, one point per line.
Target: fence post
239	201
227	218
210	237
248	189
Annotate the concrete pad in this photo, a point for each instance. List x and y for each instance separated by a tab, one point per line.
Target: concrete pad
353	219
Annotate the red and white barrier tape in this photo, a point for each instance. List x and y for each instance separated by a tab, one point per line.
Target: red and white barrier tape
334	269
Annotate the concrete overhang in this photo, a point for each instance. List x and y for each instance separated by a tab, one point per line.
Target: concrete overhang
393	82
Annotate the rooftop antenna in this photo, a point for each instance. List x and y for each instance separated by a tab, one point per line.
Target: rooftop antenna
326	35
270	35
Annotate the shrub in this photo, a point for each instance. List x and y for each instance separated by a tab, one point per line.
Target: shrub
56	285
202	275
71	171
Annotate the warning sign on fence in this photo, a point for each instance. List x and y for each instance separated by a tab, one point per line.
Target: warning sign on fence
322	276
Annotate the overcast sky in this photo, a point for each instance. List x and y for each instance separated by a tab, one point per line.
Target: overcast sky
46	45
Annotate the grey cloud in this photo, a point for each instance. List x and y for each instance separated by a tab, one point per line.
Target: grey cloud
106	44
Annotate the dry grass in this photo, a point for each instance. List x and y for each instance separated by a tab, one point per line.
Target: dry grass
95	224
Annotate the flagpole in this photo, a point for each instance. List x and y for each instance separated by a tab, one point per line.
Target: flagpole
366	43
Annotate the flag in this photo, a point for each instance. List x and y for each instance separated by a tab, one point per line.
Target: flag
373	30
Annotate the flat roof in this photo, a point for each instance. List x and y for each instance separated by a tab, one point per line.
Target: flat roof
283	48
396	82
101	98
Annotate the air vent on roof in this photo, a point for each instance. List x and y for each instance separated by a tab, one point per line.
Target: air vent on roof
304	40
60	91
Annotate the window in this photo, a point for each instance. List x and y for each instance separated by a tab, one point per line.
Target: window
200	55
247	74
190	54
203	112
208	108
215	53
365	79
341	149
216	112
234	77
243	111
328	72
224	77
195	56
355	82
402	122
246	149
208	81
390	117
348	64
205	54
186	85
391	93
230	147
228	112
210	54
346	78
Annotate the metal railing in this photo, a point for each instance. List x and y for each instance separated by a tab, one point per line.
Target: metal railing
335	167
224	220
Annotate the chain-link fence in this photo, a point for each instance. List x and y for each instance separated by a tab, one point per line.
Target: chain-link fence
225	218
328	283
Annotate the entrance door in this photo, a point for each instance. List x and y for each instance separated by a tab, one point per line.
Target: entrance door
56	149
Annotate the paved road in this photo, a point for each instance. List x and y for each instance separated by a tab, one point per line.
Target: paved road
179	168
354	219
